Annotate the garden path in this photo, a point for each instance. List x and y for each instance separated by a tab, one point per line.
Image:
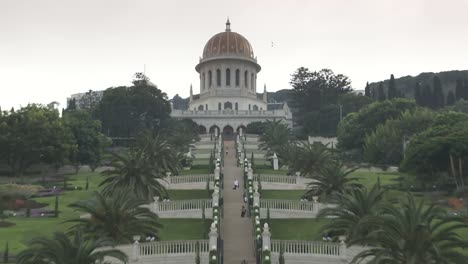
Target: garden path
237	232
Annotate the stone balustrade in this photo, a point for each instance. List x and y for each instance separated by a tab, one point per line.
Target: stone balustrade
173	247
226	113
197	178
183	205
293	205
307	247
276	179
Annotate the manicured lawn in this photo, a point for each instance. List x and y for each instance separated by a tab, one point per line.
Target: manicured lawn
282	194
188	194
182	229
368	179
194	171
296	229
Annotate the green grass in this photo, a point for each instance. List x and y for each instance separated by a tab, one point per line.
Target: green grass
282	194
182	229
296	229
368	179
194	171
188	194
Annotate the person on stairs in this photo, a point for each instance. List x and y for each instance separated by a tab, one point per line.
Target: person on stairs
243	211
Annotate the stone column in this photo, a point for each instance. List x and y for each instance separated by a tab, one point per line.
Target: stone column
213	241
275	162
216	131
316	204
250	174
266	237
298	177
240	131
216	173
136	248
343	253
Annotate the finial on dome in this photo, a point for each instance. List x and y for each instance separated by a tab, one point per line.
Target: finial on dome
228	25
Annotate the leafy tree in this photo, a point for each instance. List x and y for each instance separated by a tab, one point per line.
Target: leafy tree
62	250
32	135
460	106
355	207
125	111
439	148
427	98
367	92
353	129
381	93
133	172
385	144
450	98
89	141
413	233
332	179
118	217
312	90
392	90
180	134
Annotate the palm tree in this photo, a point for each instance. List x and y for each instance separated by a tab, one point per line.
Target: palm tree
62	250
311	158
133	172
354	208
275	138
330	180
414	233
118	217
162	155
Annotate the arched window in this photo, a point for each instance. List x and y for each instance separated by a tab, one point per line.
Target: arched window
255	107
250	107
206	107
210	79
228	77
203	81
246	81
200	107
237	77
227	105
252	81
218	77
219	106
236	106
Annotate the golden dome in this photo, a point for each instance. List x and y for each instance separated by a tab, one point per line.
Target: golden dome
228	43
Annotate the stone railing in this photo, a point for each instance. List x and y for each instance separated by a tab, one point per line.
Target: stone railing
183	205
190	178
286	204
276	179
226	112
307	247
173	247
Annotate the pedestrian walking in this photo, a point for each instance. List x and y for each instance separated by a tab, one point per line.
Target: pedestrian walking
243	211
236	185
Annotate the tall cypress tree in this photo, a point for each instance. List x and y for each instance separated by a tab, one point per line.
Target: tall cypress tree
417	93
426	96
438	95
450	98
381	92
465	89
367	90
392	90
459	89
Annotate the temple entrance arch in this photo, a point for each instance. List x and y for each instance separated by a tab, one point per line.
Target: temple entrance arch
214	129
227	105
228	133
201	129
238	130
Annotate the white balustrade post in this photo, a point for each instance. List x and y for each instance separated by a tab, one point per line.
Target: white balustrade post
215	196
168	175
298	176
216	173
250	174
266	237
256	198
342	247
315	205
213	241
275	162
136	247
156	204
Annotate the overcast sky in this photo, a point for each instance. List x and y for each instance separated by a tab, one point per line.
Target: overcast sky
50	49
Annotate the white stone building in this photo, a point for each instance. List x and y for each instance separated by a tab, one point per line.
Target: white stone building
228	100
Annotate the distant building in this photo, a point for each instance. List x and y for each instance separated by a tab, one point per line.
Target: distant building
228	100
85	100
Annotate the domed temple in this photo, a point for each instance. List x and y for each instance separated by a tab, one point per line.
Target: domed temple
228	100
